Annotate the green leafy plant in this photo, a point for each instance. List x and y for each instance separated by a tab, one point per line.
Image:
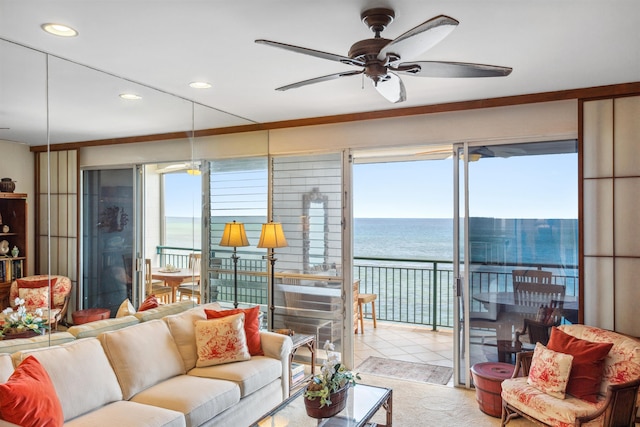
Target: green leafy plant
332	377
22	321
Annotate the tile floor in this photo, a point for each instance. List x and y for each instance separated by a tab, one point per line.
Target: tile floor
404	342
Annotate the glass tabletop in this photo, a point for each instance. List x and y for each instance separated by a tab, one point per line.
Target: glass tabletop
362	404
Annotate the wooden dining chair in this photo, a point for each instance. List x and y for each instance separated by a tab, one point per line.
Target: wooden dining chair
156	287
191	290
533	289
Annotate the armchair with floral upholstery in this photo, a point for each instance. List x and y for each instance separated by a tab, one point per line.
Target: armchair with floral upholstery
34	290
585	376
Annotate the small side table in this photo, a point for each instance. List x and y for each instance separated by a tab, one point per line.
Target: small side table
487	378
90	315
300	340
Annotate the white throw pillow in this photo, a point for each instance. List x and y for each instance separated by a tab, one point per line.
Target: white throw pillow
221	341
550	371
126	309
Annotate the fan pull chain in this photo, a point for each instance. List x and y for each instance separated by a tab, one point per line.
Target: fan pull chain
362	79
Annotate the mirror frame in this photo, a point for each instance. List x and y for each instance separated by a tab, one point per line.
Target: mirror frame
314	196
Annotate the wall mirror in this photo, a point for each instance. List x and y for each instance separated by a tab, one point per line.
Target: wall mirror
315	231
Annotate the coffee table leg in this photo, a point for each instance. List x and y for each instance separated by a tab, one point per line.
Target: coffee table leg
388	406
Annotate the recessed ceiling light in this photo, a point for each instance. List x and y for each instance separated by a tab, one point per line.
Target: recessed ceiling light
130	96
59	30
200	85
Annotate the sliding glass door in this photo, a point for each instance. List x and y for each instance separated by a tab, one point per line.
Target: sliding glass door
109	215
517	246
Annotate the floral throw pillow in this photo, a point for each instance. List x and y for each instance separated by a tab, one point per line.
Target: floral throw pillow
221	341
34	297
550	371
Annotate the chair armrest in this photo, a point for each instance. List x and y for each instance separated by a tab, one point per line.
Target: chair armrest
619	407
523	363
279	347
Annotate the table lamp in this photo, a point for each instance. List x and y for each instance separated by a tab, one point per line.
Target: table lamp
272	237
234	235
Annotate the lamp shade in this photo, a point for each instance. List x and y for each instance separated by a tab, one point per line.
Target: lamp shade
234	235
272	236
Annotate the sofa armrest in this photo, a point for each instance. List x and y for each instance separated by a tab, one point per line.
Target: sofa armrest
279	347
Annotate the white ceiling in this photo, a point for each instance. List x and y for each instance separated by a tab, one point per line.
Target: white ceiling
165	44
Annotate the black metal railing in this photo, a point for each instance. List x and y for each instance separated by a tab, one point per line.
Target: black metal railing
409	290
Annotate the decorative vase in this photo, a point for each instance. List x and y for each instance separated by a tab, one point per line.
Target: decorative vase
15	251
338	402
7	185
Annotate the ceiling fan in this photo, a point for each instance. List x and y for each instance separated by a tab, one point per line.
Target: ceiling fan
382	58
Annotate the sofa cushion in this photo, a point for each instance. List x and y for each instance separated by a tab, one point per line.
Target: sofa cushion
126	413
588	361
150	302
251	325
182	327
34	297
142	355
93	329
36	282
29	399
21	344
164	310
199	399
250	375
76	368
221	341
6	367
543	407
126	309
549	371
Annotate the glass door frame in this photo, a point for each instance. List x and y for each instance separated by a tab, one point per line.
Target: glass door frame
461	341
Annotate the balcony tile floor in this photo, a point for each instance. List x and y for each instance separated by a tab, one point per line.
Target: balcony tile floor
404	342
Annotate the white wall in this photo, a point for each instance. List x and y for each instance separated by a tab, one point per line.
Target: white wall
17	163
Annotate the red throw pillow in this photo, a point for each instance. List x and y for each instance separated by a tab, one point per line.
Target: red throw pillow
588	363
39	283
149	303
251	325
29	399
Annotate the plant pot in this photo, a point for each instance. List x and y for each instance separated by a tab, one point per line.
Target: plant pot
7	185
338	403
23	334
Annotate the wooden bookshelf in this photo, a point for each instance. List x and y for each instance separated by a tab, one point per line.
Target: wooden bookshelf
13	208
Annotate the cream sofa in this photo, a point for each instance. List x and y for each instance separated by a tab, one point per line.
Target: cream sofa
144	374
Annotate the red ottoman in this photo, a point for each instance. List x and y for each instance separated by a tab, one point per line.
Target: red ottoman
90	315
488	377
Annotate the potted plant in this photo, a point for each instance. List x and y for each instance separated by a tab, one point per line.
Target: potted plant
20	323
326	393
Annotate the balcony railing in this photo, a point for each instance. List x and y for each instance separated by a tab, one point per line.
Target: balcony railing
409	290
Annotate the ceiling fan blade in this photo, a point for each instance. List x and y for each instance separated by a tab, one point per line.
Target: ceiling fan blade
319	79
392	88
452	69
312	52
419	39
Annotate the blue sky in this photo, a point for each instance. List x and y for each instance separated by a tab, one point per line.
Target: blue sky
515	187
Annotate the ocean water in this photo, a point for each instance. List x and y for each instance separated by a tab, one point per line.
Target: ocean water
492	240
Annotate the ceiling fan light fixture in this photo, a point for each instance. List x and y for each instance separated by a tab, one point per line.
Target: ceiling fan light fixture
59	30
200	85
130	96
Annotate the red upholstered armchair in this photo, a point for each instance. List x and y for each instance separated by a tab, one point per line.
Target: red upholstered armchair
35	292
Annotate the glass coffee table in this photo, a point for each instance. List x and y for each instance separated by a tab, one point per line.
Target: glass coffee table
362	404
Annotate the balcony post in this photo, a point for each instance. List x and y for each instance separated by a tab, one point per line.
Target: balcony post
435	296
